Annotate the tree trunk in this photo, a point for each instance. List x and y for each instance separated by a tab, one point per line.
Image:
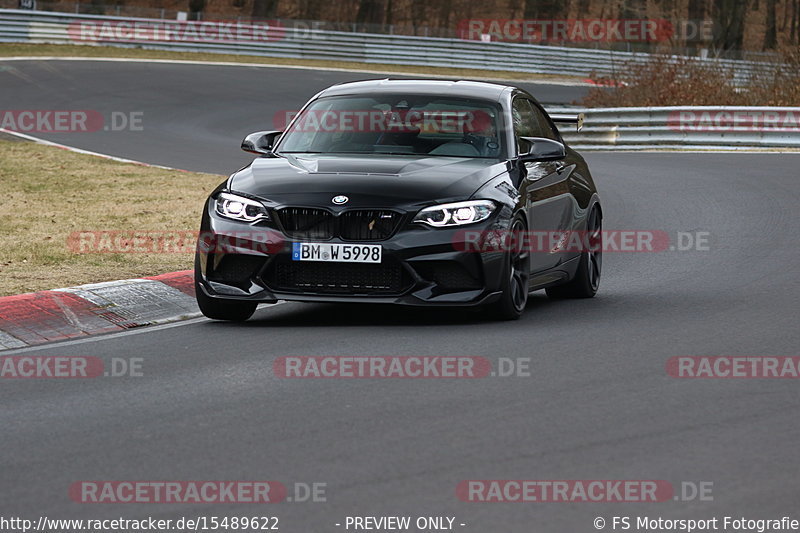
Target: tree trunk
196	8
370	12
418	12
730	15
697	10
796	23
771	33
310	9
264	9
543	9
445	11
632	9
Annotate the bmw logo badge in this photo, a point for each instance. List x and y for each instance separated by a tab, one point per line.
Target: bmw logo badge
340	200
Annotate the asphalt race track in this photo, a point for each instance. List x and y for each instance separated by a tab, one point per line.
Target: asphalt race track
192	116
598	403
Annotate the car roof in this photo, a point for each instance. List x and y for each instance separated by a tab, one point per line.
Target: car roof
459	88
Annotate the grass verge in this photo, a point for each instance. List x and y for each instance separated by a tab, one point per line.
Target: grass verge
50	193
48	50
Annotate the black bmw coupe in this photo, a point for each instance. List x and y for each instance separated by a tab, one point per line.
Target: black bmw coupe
412	192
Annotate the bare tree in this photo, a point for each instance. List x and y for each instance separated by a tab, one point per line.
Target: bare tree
371	12
544	9
795	20
696	10
771	33
264	9
310	9
418	12
631	9
196	8
730	16
445	12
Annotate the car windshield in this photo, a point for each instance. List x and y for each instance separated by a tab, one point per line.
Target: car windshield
396	125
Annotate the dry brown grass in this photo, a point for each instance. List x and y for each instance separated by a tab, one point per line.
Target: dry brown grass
48	193
687	81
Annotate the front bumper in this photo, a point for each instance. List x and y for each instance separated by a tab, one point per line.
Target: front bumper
420	266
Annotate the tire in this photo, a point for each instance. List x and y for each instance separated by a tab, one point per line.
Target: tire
590	265
231	310
516	275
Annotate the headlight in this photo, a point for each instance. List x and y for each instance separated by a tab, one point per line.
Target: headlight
240	208
457	214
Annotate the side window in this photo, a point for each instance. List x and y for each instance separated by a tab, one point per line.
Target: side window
545	128
525	123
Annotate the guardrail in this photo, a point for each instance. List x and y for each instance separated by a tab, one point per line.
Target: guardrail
702	128
688	128
64	28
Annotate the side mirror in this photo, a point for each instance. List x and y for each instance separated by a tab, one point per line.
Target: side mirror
260	142
540	149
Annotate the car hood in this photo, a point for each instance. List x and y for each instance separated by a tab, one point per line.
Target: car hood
367	181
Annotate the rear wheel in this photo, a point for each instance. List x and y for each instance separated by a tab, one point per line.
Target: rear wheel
587	277
516	276
232	310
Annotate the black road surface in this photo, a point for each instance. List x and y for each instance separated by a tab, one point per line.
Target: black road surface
598	403
186	116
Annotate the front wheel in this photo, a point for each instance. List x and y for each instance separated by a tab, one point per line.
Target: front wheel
516	276
232	310
587	277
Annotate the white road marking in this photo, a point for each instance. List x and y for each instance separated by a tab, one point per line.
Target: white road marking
39	140
68	314
124	333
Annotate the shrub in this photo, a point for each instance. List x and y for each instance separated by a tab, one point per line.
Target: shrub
666	80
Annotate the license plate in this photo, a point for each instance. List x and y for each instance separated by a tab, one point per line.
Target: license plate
337	253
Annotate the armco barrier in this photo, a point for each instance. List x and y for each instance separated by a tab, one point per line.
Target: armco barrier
688	127
716	128
53	27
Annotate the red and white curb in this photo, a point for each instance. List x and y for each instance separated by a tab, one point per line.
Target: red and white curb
61	314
